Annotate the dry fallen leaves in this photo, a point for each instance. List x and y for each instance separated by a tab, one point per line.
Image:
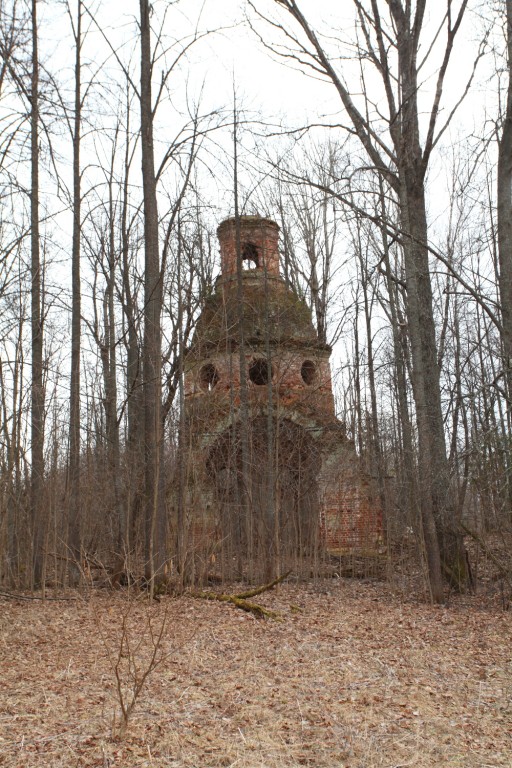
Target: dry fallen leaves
353	677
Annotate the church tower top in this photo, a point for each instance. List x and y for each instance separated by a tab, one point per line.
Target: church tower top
258	245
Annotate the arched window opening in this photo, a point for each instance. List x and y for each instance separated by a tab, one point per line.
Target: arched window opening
308	372
250	256
260	372
208	377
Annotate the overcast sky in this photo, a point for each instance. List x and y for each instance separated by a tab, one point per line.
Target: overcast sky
268	91
266	87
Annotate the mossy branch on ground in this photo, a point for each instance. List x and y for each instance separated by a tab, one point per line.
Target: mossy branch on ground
264	588
240	600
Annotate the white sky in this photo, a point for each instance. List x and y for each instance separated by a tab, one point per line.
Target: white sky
266	89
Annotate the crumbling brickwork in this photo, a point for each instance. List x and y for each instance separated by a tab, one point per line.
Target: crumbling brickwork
296	488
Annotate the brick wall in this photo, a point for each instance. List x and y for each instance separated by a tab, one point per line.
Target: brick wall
350	515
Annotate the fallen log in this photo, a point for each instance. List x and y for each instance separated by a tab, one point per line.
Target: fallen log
241	600
264	588
238	602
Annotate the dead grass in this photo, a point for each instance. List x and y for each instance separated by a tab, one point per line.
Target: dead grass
353	676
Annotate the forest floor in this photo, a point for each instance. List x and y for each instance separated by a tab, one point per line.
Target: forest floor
353	674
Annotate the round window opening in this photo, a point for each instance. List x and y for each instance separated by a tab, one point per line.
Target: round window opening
308	372
208	377
260	372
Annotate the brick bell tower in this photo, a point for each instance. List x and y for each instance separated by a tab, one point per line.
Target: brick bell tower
271	480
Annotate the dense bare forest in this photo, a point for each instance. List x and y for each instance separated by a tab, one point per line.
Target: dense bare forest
394	205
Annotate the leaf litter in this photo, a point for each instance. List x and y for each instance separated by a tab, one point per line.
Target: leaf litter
353	676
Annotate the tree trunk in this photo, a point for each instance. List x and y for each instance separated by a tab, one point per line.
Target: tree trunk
409	498
155	547
505	238
377	461
432	464
37	391
109	363
245	480
134	447
74	516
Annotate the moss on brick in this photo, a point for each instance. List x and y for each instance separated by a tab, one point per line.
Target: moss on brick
271	311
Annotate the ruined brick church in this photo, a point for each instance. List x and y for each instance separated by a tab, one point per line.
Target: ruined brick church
272	481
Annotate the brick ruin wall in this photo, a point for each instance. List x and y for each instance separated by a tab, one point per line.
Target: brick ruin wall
348	506
350	514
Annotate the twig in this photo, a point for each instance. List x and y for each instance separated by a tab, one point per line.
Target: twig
131	671
504	571
14	596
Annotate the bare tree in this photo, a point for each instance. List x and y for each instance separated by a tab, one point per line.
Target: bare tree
312	223
37	389
74	393
391	34
152	386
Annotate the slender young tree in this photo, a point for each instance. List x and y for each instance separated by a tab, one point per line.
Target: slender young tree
74	391
131	314
245	484
375	449
37	390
